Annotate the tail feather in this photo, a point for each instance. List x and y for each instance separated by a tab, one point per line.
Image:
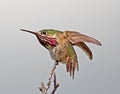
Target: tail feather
71	66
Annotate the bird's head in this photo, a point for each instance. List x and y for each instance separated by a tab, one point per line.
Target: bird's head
46	37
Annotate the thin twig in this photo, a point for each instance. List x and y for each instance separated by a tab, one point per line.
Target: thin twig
44	88
50	76
54	79
56	85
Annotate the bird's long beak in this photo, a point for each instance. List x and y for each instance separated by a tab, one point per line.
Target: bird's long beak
35	33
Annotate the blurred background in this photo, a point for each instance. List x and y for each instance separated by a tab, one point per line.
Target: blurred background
24	63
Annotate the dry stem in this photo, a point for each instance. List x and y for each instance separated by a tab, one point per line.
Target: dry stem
44	88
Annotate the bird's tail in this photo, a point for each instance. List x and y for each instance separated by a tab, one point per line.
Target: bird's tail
71	66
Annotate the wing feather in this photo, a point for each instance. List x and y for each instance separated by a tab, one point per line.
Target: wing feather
75	37
85	48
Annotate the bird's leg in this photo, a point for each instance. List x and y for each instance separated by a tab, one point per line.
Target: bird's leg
56	62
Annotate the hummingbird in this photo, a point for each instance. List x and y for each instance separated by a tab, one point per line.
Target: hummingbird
60	45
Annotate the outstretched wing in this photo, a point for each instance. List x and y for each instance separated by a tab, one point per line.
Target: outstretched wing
76	37
85	48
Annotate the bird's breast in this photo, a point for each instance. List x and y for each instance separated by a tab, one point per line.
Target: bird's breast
59	53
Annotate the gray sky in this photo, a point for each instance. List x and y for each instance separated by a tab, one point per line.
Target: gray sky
24	63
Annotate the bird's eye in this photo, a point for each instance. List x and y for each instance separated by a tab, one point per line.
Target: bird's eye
44	33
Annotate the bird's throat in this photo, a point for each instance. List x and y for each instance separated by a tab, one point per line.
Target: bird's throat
52	41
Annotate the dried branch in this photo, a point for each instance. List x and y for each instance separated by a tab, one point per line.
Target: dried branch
44	88
56	85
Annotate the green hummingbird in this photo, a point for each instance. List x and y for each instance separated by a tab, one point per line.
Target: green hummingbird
60	45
